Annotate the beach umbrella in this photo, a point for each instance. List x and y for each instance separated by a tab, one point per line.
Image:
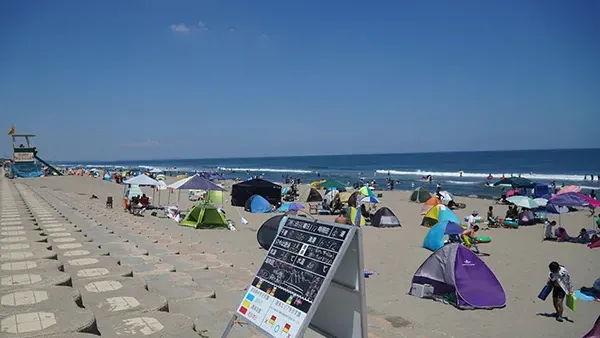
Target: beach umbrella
540	201
523	201
574	199
436	236
369	199
366	191
569	188
331	184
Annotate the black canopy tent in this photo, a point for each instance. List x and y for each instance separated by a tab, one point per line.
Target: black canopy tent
242	191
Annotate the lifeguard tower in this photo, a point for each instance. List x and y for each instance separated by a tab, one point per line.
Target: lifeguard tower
25	162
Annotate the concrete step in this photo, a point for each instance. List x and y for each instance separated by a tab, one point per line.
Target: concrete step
148	325
17	301
44	321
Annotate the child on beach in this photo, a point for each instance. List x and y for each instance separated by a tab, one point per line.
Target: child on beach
471	236
548	233
560	282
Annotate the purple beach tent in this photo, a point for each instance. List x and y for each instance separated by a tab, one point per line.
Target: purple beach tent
458	276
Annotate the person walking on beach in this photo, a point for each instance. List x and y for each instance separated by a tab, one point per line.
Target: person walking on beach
560	282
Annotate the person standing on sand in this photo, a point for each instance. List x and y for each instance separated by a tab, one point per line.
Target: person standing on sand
560	282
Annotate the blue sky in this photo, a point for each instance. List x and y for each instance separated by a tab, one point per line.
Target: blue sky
112	80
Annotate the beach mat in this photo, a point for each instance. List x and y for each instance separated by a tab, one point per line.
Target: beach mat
583	297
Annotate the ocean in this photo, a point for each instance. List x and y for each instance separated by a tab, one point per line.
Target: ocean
462	173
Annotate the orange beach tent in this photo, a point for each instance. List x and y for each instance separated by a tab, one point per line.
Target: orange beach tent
430	203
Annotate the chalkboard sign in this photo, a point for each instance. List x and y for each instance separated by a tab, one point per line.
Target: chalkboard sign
295	274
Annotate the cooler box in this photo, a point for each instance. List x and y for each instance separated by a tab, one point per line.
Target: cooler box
422	290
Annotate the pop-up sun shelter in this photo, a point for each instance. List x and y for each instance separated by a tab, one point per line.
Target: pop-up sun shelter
385	218
439	213
458	276
204	216
436	236
268	231
420	195
257	205
311	195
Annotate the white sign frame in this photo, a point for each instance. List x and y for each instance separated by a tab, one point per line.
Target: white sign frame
338	310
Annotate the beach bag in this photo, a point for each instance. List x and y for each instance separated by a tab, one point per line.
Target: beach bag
572	302
545	292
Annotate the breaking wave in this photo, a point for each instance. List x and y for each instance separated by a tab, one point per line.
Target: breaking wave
547	177
267	170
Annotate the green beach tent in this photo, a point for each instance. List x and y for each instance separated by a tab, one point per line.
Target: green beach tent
420	195
204	216
215	197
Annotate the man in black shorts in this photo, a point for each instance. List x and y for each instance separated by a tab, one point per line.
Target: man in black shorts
560	282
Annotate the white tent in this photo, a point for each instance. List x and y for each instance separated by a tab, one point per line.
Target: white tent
176	185
142	180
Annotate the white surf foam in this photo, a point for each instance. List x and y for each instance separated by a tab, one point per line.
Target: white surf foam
267	170
547	177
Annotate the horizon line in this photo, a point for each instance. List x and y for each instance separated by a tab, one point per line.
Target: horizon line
324	155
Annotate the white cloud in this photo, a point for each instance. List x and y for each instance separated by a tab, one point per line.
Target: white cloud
180	28
142	144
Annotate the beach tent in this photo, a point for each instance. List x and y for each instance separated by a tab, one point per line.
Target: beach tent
354	199
198	182
215	197
142	180
355	216
420	195
344	196
311	195
436	236
290	206
257	204
541	190
179	183
242	191
439	213
204	216
330	196
432	202
133	190
268	231
461	278
385	218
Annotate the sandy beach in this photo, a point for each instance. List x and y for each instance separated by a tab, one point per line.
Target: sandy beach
519	258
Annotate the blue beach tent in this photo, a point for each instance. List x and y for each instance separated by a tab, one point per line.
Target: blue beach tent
437	234
257	204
